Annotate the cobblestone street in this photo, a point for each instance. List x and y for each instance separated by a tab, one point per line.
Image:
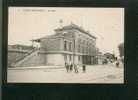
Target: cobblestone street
43	74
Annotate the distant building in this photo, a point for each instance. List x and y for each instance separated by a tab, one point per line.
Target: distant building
100	58
110	57
69	43
19	47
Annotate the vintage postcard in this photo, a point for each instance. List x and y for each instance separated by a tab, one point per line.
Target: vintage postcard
65	45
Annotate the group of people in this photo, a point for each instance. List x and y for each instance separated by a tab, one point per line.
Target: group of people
70	67
117	63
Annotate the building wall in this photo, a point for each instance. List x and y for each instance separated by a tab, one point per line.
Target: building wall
13	55
68	37
55	59
78	59
52	44
60	59
37	60
84	45
71	36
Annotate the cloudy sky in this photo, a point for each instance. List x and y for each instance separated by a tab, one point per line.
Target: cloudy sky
107	24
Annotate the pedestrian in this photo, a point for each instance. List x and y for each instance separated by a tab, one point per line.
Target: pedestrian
117	64
76	68
67	67
71	67
103	62
84	68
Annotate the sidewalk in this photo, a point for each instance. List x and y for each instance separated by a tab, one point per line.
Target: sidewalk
93	74
42	67
36	67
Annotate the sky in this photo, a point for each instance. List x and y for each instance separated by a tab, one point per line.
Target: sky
27	23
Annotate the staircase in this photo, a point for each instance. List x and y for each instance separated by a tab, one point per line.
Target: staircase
19	61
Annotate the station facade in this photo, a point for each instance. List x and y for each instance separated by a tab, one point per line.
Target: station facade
70	43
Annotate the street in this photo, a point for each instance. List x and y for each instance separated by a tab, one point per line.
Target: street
42	74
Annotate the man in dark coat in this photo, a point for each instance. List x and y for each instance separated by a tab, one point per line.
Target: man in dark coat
117	64
67	67
84	68
71	67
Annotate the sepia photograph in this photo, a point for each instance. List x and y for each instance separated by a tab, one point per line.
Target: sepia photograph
65	45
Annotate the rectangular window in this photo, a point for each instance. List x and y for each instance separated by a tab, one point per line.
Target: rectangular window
87	49
79	57
70	57
70	46
78	48
90	50
83	49
65	45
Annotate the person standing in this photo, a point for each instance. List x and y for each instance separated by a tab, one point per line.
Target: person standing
84	68
76	68
71	67
67	67
117	62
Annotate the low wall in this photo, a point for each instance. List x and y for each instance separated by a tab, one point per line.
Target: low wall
37	60
13	55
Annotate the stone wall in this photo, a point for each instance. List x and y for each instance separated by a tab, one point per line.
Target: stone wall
55	59
51	44
13	55
36	60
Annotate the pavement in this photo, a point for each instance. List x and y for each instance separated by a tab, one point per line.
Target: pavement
98	74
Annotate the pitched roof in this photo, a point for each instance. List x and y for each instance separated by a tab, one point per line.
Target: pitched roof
68	27
74	26
46	37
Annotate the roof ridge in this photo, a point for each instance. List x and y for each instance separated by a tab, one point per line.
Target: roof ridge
72	25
